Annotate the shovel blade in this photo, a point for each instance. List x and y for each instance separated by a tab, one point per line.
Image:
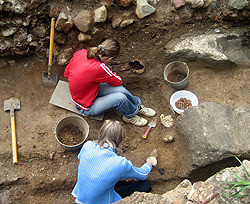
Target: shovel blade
49	81
12	103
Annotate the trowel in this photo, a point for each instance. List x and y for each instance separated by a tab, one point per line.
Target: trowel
50	79
152	124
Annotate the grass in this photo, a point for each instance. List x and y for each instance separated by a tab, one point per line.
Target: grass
240	185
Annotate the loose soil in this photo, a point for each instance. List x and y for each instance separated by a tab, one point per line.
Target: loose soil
70	135
46	173
176	76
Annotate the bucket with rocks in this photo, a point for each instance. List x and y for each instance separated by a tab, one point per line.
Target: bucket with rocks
71	131
176	73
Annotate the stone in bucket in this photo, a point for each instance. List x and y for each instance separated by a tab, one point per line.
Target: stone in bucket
176	73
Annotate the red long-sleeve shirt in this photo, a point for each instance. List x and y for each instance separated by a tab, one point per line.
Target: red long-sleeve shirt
84	77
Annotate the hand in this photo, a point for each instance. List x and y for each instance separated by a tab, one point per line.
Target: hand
152	161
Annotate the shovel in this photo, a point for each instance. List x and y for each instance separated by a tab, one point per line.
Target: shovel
152	124
50	79
11	105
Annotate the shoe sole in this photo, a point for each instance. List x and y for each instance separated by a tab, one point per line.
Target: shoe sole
133	123
147	115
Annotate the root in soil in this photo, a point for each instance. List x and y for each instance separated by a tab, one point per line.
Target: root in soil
70	135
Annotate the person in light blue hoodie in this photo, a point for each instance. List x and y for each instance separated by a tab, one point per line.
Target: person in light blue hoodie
101	167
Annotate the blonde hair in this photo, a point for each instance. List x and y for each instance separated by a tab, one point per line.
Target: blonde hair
108	48
111	133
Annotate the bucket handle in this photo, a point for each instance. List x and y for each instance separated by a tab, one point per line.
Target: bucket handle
59	119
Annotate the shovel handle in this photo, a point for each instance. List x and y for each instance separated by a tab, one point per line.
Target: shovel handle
146	133
51	43
13	134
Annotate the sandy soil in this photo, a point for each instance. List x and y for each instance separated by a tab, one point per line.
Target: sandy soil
45	173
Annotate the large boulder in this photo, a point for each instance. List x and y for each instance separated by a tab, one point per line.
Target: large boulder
213	130
216	46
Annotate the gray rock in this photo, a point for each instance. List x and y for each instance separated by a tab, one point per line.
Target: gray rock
61	21
40	29
65	56
83	21
16	6
20	37
199	191
5	43
178	3
238	4
143	9
221	47
196	3
82	37
116	21
213	130
207	3
68	25
9	31
125	23
100	14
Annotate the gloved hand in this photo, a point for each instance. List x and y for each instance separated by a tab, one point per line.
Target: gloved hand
152	161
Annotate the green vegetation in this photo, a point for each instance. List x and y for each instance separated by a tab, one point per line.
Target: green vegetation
240	185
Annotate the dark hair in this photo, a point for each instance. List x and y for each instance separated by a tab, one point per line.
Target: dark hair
108	48
112	133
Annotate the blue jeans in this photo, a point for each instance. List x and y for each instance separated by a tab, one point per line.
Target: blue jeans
114	97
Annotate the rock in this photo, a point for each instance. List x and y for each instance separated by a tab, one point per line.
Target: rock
100	14
185	192
40	29
221	48
143	9
83	21
32	40
82	37
195	3
116	21
60	38
8	31
238	4
61	21
179	194
141	197
125	23
208	2
20	37
68	25
213	130
154	1
65	56
178	3
168	138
